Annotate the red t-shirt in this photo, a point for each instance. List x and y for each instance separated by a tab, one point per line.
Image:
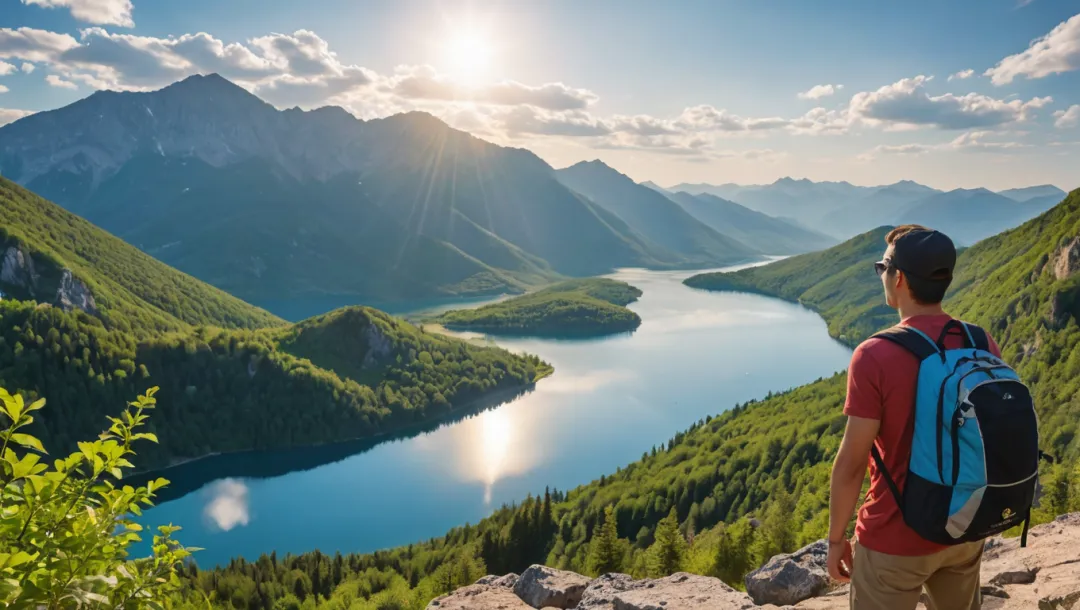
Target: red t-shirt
881	386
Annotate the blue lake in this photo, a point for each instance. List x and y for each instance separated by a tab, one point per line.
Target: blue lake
695	354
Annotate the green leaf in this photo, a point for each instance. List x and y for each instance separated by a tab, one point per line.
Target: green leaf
28	441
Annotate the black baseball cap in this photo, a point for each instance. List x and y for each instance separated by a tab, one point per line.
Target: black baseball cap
925	254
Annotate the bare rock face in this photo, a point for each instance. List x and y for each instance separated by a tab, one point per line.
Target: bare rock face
1067	259
18	269
74	294
479	597
676	592
507	582
378	346
541	586
789	579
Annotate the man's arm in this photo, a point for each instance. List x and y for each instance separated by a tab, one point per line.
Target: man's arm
848	473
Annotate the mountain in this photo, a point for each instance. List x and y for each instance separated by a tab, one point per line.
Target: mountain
1034	192
804	200
876	207
767	234
89	322
273	205
52	256
839	283
654	186
967	215
654	216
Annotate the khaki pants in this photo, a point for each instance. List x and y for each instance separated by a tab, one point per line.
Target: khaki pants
890	582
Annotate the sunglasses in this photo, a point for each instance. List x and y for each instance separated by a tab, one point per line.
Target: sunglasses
881	267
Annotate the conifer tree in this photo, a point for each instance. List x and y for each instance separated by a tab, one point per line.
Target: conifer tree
668	551
605	551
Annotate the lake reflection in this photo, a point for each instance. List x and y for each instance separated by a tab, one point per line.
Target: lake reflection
695	354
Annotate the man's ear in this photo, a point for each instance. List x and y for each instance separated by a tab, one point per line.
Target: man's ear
900	279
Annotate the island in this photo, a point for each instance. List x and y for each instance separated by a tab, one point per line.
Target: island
577	308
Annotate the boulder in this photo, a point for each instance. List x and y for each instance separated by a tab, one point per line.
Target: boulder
17	269
1020	575
479	597
507	581
789	579
541	586
679	591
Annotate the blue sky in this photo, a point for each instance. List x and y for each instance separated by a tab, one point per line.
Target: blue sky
677	91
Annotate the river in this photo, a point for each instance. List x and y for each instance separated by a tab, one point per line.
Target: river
696	353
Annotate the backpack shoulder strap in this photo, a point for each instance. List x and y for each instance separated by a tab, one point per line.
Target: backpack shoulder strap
980	340
911	339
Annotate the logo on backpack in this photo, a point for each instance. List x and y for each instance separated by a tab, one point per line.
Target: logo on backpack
975	447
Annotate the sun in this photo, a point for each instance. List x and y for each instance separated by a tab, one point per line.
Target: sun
468	58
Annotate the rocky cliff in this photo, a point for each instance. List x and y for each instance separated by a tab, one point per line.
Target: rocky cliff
21	277
1045	575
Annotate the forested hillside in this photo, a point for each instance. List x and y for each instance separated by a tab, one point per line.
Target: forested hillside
131	291
589	307
89	322
839	283
768	459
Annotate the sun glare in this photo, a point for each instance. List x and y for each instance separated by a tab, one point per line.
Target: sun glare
468	58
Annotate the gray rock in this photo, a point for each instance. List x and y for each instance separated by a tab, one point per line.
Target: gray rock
1022	575
789	579
993	591
18	269
74	294
507	581
676	592
479	597
1067	259
1061	601
541	586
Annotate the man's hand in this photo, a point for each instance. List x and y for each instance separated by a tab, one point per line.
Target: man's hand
840	561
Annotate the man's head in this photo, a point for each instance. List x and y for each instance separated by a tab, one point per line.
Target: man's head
917	267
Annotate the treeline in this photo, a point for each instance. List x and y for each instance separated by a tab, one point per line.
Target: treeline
226	390
594	306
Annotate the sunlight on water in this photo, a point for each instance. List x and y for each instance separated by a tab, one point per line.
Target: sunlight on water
228	505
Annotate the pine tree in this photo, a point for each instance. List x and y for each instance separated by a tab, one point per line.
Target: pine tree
605	551
668	551
733	553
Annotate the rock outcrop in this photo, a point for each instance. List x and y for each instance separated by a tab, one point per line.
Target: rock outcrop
543	587
789	579
73	294
1067	259
1043	576
18	269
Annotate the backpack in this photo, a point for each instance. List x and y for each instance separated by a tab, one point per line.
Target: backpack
975	447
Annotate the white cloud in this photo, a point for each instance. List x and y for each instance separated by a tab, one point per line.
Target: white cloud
1067	118
423	82
27	67
962	75
819	91
906	104
1057	52
9	115
6	68
98	12
56	81
968	142
707	118
34	45
4	89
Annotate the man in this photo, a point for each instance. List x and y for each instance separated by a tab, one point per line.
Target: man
889	565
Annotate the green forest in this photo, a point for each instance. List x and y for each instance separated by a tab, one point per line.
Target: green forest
587	307
766	460
231	375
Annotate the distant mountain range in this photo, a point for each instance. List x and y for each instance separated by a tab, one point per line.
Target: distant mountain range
771	235
841	209
272	205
